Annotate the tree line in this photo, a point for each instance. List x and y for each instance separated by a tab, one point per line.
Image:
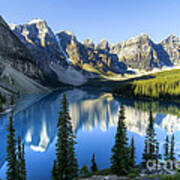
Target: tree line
164	85
65	165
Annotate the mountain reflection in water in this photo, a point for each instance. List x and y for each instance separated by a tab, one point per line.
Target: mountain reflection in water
94	119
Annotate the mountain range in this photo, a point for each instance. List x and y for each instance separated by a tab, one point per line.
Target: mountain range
35	59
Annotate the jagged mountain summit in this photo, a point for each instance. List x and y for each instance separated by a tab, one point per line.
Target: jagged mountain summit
140	52
40	40
172	47
46	50
88	58
42	44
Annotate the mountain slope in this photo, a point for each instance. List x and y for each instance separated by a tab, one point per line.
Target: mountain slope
47	53
15	57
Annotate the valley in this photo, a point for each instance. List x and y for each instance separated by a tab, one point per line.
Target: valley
89	90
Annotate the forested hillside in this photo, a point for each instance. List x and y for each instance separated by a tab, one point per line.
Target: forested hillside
163	85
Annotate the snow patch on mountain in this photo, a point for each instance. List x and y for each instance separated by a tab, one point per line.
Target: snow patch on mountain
35	21
69	61
12	26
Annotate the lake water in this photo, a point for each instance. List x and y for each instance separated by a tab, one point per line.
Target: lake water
94	119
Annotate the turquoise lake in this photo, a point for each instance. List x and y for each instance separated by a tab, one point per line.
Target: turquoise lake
94	119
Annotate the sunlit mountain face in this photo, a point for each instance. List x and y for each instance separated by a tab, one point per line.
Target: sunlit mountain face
94	118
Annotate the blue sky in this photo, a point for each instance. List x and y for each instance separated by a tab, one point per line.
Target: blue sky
114	20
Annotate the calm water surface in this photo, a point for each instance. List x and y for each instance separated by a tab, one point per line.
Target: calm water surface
94	119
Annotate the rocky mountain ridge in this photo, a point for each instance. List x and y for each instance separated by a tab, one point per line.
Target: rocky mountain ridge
42	44
141	52
63	58
87	58
137	53
46	50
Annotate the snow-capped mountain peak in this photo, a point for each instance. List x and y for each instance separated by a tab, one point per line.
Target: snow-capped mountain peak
37	20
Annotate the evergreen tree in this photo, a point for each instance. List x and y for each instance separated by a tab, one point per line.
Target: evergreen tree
172	153
23	164
165	85
54	171
94	165
166	148
132	153
151	150
72	161
158	155
19	158
84	172
67	167
11	173
120	159
21	161
12	100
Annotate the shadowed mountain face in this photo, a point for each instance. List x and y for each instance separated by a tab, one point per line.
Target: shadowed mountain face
172	47
18	72
42	44
35	121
